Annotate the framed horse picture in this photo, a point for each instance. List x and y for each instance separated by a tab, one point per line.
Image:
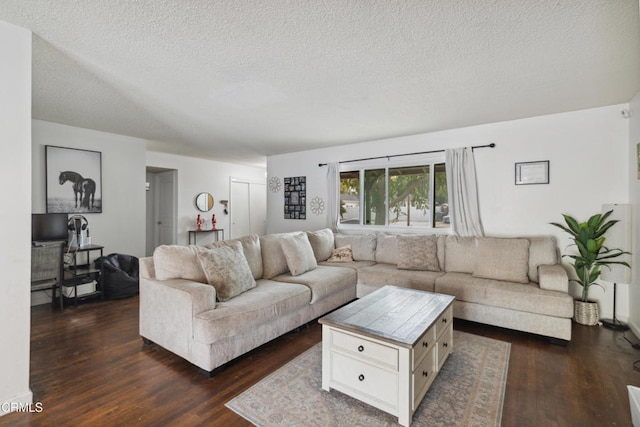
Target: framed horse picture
74	180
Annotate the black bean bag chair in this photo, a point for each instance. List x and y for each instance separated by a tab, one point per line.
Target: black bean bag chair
120	275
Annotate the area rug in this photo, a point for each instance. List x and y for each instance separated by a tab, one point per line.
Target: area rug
468	391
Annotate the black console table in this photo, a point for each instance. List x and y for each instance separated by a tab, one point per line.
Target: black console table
217	232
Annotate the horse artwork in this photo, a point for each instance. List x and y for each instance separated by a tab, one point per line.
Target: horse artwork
74	180
84	189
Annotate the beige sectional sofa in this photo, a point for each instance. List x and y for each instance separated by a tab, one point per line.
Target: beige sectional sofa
211	304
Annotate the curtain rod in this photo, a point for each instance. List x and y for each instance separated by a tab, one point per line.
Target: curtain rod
407	154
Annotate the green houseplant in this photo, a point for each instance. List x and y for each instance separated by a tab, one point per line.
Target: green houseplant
592	255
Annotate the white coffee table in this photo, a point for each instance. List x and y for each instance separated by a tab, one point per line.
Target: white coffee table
386	348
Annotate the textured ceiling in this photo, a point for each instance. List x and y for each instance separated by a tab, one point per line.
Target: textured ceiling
237	80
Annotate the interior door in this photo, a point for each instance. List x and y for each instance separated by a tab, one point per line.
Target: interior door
166	212
258	208
239	209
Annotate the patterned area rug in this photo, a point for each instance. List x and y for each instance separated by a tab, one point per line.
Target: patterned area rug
468	391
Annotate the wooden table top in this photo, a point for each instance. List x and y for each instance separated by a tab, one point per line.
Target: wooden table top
394	314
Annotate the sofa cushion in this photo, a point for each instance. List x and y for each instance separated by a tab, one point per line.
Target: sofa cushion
322	243
298	253
267	301
387	248
178	262
323	281
227	270
543	250
343	254
273	260
418	253
515	296
460	254
502	259
389	274
251	249
363	245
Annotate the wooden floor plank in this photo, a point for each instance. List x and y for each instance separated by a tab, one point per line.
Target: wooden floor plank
90	367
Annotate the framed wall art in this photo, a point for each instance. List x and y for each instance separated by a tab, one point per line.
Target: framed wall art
295	197
74	180
532	173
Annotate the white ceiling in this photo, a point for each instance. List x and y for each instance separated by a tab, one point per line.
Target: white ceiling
237	80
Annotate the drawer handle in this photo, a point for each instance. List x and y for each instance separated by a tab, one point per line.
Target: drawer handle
360	348
361	377
425	344
444	320
425	373
445	345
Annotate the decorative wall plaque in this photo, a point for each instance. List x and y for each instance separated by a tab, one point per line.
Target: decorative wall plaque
317	205
295	197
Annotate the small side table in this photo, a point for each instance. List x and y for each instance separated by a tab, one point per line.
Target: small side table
194	233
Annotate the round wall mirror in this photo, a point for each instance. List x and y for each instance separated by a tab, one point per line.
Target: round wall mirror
204	202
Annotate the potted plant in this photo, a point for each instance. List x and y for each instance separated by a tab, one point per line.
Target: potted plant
589	238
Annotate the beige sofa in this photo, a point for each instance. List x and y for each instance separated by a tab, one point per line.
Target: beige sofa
182	313
211	304
515	283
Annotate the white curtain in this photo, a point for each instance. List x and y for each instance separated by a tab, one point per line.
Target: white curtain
464	209
333	194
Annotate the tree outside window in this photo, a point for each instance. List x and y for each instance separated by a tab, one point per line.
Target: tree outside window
395	197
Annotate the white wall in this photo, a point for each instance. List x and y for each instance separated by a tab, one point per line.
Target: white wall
588	154
121	225
196	176
634	199
15	214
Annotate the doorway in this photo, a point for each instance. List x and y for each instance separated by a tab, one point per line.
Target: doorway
247	208
161	204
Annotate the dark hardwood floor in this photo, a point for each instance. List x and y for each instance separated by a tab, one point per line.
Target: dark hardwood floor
90	367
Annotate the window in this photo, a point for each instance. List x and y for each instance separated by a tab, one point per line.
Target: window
394	197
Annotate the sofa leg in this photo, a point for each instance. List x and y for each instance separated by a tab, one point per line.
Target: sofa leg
214	372
558	341
147	341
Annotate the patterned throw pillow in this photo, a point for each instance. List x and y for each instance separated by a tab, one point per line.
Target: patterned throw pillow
227	270
342	254
418	253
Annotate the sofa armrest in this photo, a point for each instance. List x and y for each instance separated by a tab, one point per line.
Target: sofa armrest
167	309
553	278
147	268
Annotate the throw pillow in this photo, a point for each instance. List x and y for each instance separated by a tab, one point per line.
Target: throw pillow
274	263
251	249
502	259
227	270
321	243
387	249
418	253
363	246
299	254
178	262
342	254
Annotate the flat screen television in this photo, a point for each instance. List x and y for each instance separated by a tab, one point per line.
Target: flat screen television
49	227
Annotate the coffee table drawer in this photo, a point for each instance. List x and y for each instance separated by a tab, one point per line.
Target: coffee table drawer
444	321
422	377
364	379
423	346
366	350
445	344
